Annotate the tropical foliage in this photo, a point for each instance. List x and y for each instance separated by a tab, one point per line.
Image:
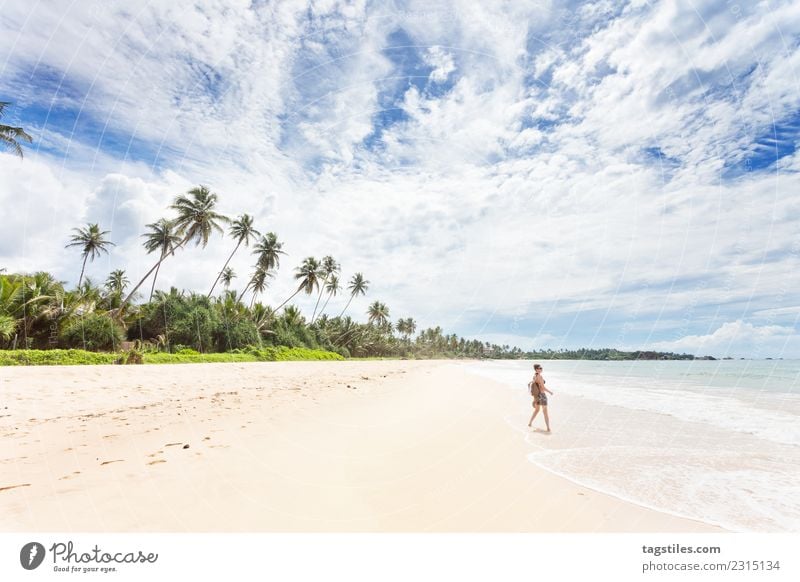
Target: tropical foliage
10	136
37	312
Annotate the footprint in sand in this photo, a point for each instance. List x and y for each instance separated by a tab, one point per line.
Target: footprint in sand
114	461
173	444
156	462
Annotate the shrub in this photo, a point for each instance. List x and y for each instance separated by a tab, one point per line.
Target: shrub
53	358
93	332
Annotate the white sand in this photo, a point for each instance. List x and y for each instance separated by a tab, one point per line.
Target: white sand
410	446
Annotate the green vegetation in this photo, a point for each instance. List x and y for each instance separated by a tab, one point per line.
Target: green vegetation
78	357
11	136
67	326
54	358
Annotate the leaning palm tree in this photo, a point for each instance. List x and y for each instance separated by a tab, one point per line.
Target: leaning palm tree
196	221
329	267
358	286
258	282
269	254
10	136
162	238
242	230
227	276
308	273
378	313
91	242
332	287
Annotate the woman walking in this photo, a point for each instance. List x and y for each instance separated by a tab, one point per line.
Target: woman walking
539	393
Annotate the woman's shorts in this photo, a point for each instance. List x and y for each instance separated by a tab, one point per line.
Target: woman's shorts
541	400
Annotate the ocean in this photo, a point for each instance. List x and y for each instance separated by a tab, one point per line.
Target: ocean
715	441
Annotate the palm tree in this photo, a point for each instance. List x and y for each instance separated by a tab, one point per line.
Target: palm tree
269	251
92	243
329	267
117	281
308	273
9	136
161	238
378	313
228	275
196	221
269	254
332	287
242	230
258	282
358	286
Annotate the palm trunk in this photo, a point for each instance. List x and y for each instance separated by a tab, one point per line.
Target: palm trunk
224	267
290	298
155	278
319	297
346	306
82	269
244	291
150	272
324	305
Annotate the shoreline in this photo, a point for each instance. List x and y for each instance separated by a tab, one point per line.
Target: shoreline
399	446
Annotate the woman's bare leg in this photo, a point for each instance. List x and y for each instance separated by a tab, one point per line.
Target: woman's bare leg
535	412
546	418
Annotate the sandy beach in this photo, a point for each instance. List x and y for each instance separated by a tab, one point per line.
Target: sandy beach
370	446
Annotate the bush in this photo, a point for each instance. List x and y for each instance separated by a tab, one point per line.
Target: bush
53	358
231	335
94	332
74	357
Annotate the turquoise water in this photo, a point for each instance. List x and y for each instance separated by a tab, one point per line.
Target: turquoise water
716	441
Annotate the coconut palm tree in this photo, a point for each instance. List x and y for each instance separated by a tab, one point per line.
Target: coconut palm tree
258	282
196	221
269	254
378	313
242	230
329	267
116	282
10	136
269	251
91	242
358	286
309	274
228	275
162	238
332	287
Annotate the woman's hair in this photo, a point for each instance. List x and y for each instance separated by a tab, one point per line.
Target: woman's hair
537	367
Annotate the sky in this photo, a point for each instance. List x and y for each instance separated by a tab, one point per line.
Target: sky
539	174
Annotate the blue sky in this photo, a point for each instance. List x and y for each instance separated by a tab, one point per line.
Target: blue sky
545	174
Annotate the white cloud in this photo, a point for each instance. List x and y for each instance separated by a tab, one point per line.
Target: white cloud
738	339
442	63
499	196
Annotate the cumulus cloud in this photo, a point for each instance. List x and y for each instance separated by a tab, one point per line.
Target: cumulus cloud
738	339
546	160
